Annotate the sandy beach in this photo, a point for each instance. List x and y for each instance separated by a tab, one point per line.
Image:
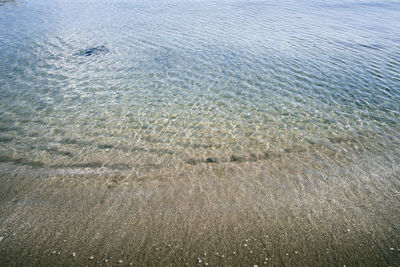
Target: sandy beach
278	211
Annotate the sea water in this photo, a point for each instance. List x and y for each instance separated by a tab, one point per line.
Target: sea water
122	84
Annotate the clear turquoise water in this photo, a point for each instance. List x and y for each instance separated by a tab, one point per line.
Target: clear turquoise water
195	81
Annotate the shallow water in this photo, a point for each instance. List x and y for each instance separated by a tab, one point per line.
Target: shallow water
160	91
185	79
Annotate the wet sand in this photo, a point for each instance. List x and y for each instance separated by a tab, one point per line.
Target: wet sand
297	209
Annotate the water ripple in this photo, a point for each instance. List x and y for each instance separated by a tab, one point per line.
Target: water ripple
176	80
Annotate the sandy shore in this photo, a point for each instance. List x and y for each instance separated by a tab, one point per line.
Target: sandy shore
293	210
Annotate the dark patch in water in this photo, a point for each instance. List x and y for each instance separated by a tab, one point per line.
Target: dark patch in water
56	151
69	141
6	139
3	2
120	166
341	139
105	146
145	127
295	149
211	160
64	153
193	161
79	165
202	145
92	51
149	166
20	161
237	158
8	129
251	157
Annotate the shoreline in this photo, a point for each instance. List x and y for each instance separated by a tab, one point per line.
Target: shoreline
331	214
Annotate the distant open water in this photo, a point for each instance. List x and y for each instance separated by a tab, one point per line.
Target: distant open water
117	85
